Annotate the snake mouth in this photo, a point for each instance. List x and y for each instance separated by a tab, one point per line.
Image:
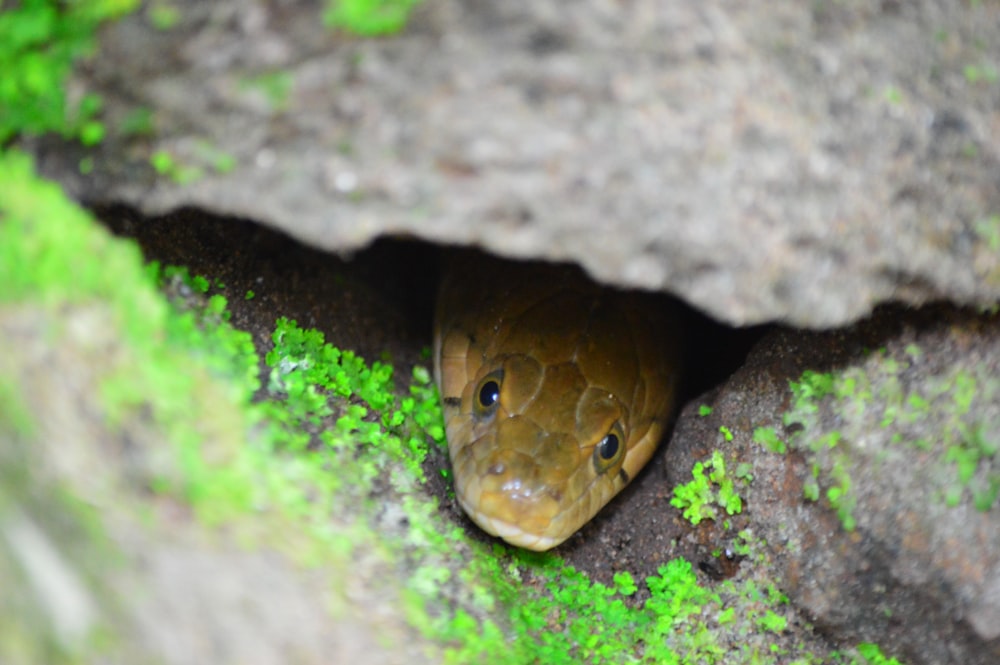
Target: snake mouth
508	531
508	494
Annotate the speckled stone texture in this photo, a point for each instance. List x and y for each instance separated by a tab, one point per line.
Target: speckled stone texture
787	160
914	396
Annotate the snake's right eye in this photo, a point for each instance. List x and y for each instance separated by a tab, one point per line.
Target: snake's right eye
610	450
487	395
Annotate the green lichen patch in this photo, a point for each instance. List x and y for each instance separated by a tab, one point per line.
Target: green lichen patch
711	491
905	406
369	17
39	42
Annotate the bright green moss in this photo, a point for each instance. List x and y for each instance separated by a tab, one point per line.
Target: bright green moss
811	387
700	498
165	164
43	236
872	655
772	622
369	17
39	42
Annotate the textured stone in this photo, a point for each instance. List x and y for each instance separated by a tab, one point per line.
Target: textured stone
763	160
915	398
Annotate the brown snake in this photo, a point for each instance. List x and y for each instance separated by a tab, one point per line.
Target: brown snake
556	393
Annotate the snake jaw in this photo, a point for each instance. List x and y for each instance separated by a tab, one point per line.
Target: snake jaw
517	496
506	494
510	509
512	533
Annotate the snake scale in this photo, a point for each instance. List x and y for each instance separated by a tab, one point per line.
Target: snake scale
556	392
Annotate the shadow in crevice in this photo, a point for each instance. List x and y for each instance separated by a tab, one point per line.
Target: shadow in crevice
379	301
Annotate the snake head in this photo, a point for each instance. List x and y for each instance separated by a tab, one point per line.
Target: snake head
555	396
537	449
528	484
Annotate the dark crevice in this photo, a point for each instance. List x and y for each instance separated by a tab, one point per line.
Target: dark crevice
379	303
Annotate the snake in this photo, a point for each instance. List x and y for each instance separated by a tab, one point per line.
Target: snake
555	392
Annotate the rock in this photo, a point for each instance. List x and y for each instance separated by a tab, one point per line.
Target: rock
892	426
795	162
99	566
764	161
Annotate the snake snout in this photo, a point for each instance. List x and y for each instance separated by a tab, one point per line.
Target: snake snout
512	498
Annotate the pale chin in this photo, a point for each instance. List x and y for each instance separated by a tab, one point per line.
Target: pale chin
511	533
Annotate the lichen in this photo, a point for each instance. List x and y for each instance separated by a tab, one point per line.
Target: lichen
705	495
946	414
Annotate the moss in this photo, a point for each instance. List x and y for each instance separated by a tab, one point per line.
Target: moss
163	15
15	417
988	230
767	437
276	87
369	17
700	498
327	441
166	164
945	414
39	42
986	73
871	654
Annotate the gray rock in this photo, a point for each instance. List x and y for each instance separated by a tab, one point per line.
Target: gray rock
765	161
98	567
905	551
787	161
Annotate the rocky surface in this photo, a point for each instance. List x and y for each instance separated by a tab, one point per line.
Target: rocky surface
909	555
914	574
912	393
789	161
765	161
88	547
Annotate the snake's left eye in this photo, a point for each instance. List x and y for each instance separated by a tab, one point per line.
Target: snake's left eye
487	394
610	450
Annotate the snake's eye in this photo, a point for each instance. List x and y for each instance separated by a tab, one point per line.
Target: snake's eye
487	395
608	447
610	450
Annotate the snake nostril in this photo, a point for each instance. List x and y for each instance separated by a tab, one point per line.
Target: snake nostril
497	469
